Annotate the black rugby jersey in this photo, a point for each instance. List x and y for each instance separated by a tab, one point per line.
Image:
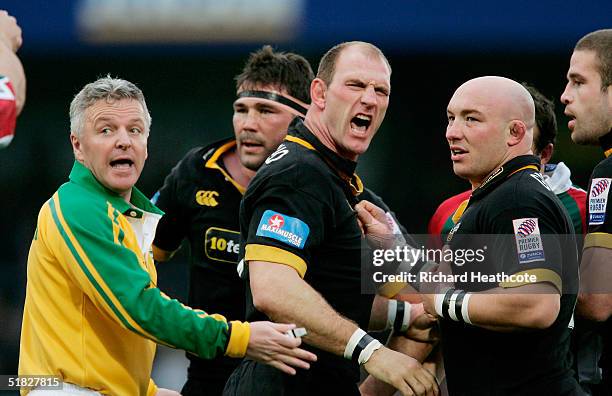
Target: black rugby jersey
298	211
599	222
201	203
515	204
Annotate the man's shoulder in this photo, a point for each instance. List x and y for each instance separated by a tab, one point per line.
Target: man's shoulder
603	169
293	163
75	203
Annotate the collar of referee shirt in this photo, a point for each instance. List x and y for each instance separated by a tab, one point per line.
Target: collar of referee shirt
606	143
296	106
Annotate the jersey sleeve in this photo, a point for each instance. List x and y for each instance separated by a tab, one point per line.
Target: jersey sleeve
599	207
527	242
284	226
100	253
172	227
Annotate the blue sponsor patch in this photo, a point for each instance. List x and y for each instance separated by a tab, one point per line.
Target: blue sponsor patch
287	229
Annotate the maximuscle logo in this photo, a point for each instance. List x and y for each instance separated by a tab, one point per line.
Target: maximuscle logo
287	229
598	200
528	240
207	198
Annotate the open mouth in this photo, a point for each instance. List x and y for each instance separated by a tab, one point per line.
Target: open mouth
250	145
122	163
361	123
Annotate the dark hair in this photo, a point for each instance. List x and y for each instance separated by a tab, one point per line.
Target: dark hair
545	119
327	65
284	70
599	41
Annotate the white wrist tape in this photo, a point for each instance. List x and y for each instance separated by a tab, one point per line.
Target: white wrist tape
352	343
367	352
464	308
439	300
391	312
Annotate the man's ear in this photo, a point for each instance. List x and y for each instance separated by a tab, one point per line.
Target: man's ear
76	147
517	131
546	154
318	89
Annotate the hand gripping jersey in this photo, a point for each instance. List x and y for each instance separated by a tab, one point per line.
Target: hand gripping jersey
529	224
93	312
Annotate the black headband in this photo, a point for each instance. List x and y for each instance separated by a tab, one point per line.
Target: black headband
275	97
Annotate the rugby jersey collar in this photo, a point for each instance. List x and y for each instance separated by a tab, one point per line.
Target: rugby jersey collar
82	176
606	143
515	165
344	167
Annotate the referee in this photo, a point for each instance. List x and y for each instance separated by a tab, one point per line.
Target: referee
506	338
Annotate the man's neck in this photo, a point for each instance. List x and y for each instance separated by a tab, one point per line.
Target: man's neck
318	128
237	171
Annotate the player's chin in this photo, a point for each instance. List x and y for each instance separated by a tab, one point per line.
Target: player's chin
252	162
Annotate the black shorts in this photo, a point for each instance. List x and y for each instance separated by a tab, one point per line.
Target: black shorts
253	378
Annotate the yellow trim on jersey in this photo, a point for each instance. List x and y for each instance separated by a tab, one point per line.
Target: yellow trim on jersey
299	141
598	239
239	339
390	289
523	168
256	252
92	269
542	275
608	152
212	163
357	189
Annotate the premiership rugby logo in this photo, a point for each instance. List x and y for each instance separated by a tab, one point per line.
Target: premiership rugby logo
527	227
600	187
287	229
529	245
598	200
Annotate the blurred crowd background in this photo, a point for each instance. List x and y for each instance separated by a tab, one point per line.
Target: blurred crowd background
184	54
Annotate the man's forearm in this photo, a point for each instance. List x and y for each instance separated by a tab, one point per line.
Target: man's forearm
527	307
299	304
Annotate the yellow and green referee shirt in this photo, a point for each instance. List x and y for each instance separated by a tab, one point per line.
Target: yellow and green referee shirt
93	312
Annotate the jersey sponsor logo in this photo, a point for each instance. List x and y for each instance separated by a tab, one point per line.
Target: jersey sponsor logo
221	244
528	240
598	200
280	152
287	229
207	198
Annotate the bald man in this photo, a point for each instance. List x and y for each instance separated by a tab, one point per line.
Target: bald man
505	330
